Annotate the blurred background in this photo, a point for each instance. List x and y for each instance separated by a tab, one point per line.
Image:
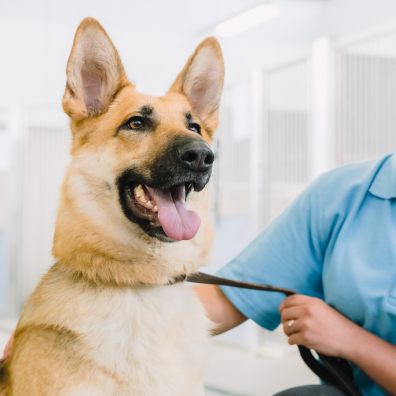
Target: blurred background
310	85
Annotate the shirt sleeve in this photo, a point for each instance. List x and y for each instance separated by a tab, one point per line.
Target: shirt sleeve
289	253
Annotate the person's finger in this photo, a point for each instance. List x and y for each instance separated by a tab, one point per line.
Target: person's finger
294	300
291	326
296	339
292	313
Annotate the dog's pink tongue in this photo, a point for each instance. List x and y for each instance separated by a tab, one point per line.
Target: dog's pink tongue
177	222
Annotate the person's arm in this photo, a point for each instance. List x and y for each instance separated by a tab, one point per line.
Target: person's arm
219	309
288	253
313	323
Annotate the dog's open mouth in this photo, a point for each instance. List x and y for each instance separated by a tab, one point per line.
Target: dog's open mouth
163	211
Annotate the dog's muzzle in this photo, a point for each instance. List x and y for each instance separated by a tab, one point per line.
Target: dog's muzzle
185	160
158	203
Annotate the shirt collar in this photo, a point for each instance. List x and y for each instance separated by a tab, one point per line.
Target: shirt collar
384	182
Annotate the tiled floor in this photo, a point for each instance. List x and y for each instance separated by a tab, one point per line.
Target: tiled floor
233	371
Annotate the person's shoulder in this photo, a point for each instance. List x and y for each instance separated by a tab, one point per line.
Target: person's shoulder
351	178
333	195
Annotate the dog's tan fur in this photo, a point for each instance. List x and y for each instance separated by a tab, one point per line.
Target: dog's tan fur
101	321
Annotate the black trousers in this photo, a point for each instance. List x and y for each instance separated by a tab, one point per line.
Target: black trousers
311	390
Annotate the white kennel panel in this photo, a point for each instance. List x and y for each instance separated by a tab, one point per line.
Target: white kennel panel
43	156
287	135
365	97
5	217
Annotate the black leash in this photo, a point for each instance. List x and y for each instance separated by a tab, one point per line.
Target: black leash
331	370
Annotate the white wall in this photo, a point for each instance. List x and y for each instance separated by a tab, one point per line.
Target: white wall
155	38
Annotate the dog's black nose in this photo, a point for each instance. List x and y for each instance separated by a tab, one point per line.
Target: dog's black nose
196	156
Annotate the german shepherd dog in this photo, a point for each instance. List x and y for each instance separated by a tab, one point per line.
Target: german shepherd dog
106	319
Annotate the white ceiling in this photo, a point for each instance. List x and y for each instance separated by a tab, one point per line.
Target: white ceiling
147	17
156	36
300	19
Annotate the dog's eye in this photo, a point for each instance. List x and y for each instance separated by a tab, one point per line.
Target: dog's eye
194	127
136	122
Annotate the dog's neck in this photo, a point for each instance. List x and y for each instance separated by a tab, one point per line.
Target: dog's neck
115	265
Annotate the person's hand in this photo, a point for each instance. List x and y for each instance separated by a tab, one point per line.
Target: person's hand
8	348
311	322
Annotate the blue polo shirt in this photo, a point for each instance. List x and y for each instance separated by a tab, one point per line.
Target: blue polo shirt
337	241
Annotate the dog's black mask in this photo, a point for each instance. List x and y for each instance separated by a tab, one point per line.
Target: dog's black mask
187	162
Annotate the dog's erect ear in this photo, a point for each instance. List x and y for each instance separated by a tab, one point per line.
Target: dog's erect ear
94	72
201	81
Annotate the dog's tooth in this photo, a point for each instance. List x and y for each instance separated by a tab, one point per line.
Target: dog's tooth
140	194
138	191
143	199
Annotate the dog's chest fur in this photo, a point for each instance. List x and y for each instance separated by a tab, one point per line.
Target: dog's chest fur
151	340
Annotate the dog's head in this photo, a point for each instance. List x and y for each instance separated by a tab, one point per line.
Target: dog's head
142	157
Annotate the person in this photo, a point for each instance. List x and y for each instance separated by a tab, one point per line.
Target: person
335	245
